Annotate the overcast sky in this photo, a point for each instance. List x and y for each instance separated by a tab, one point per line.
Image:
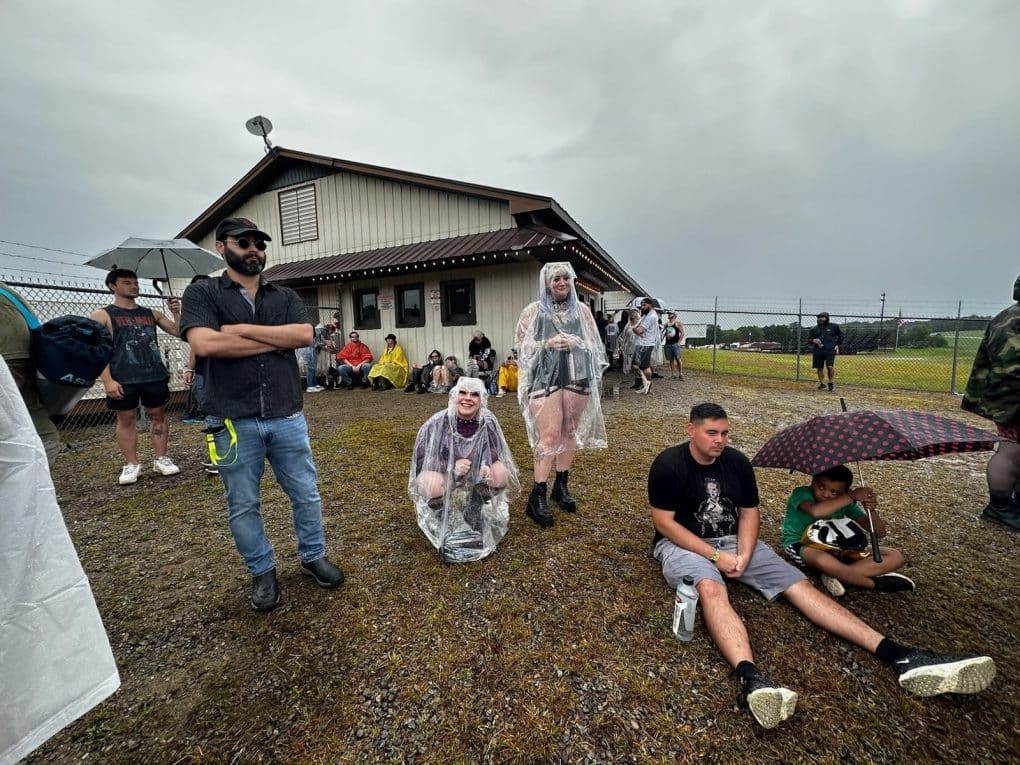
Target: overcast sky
748	149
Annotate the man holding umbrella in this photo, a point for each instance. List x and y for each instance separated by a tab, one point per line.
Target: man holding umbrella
247	330
704	504
137	372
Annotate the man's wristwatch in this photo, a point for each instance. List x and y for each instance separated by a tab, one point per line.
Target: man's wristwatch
715	556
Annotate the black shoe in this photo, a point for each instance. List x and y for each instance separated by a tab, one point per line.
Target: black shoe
893	583
409	388
925	673
538	509
1008	516
830	386
657	376
821	386
265	591
561	494
638	385
323	572
768	703
422	390
365	384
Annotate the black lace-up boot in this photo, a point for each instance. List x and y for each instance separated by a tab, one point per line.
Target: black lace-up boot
538	508
561	494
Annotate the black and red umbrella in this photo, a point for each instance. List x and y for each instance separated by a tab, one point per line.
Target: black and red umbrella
869	434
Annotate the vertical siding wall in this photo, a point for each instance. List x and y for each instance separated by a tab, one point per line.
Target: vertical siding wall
501	292
356	212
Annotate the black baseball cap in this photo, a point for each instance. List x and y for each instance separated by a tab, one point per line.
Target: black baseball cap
238	226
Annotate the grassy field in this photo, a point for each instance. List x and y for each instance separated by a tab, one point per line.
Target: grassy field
922	369
557	649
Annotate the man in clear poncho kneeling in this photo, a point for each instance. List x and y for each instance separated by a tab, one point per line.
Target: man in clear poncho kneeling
463	476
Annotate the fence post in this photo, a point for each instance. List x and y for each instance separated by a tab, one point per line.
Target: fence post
956	347
715	330
800	328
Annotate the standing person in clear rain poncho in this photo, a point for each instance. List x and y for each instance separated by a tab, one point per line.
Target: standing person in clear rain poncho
561	363
463	476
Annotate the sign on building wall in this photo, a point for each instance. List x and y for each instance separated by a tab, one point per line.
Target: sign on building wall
386	302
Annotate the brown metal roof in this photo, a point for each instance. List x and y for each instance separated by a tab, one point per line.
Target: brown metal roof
353	264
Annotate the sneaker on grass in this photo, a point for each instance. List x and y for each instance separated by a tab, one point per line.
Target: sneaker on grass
833	586
925	673
129	474
769	703
165	466
893	583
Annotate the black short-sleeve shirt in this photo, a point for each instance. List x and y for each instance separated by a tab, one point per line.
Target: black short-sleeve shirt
265	385
705	499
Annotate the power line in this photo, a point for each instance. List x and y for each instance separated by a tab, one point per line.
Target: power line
45	260
40	247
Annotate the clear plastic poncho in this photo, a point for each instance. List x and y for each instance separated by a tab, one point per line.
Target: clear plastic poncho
55	659
462	479
561	361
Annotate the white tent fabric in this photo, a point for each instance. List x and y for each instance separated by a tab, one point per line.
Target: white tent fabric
55	658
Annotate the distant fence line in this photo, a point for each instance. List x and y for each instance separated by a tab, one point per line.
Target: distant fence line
880	350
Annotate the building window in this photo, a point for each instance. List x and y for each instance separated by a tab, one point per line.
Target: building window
366	309
458	302
411	305
298	219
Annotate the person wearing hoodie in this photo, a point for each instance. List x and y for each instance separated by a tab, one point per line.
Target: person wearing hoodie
993	391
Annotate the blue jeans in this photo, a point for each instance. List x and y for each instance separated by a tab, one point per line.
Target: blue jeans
346	372
284	442
310	355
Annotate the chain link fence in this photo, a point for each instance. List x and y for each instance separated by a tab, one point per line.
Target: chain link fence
925	346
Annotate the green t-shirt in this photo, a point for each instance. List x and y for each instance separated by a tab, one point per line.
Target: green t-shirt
797	520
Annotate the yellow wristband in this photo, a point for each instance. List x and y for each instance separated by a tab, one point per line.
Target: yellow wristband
715	556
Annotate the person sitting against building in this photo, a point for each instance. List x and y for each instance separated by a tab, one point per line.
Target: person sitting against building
508	373
392	369
353	362
451	372
424	376
463	476
481	356
830	498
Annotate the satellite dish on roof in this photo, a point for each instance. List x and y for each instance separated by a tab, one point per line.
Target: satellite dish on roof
259	125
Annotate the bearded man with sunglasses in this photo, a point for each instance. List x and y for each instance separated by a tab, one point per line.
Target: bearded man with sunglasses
247	329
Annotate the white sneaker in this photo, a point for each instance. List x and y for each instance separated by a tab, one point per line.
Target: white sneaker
165	466
129	474
314	389
833	585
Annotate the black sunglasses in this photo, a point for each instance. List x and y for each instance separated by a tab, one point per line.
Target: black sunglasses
244	243
353	336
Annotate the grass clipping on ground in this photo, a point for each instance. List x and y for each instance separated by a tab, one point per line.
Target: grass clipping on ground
555	649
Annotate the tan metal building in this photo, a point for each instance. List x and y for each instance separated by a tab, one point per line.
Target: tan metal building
429	259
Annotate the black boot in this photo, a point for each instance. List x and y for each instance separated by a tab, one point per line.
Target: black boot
561	494
538	508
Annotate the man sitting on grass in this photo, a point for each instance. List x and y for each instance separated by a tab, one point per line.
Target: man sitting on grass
704	504
829	497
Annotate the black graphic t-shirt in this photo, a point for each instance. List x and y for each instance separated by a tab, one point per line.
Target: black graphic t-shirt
705	499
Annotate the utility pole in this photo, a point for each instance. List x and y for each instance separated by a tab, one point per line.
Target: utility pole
881	322
899	323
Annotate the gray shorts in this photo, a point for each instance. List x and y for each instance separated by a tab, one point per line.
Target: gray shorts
767	572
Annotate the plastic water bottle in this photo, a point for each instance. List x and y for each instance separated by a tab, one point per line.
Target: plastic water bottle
684	609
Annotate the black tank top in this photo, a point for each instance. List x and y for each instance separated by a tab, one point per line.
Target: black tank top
136	357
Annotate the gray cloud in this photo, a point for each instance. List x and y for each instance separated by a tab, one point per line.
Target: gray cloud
769	149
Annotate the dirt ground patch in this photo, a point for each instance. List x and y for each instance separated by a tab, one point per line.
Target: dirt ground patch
555	649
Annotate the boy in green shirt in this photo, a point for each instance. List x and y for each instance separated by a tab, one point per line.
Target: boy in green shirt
830	497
